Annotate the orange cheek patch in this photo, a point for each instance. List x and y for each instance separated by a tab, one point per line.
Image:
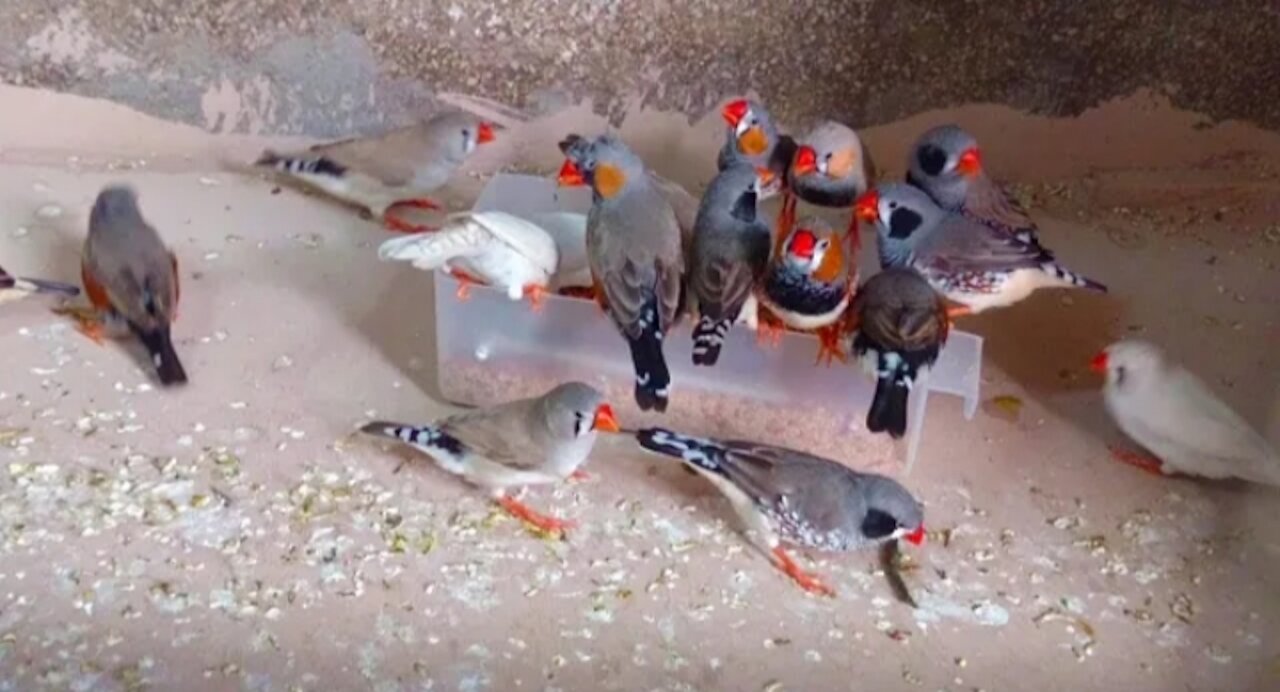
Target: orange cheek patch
832	262
753	142
841	163
609	180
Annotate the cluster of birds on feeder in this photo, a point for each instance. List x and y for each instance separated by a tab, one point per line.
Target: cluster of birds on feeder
950	242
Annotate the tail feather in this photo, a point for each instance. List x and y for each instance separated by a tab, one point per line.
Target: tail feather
43	286
1067	276
298	164
695	451
896	374
888	411
653	380
708	339
423	436
160	347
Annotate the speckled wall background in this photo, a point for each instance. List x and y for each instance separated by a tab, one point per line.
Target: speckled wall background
325	67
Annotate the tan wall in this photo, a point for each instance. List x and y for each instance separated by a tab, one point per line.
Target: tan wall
324	67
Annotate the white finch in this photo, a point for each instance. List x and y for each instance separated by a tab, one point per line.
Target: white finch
1171	413
515	256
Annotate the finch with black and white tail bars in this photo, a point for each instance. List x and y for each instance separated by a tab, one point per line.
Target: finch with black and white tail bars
636	257
1179	420
131	277
395	169
786	496
730	256
902	326
13	288
536	441
947	164
807	287
967	261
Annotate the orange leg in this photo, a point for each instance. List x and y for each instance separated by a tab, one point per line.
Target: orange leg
580	476
829	347
855	238
809	582
464	283
419	203
769	329
533	518
88	322
1146	462
787	217
399	225
579	292
535	294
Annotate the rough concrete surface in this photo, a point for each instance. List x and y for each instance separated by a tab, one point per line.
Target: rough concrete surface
327	67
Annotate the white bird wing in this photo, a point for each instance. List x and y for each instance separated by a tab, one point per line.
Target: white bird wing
529	239
1186	416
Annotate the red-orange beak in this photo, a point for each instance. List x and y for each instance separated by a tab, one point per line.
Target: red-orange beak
970	162
605	421
806	161
484	133
570	175
916	537
867	208
802	244
734	112
1099	362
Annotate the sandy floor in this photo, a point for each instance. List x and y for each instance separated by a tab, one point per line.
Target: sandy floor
229	534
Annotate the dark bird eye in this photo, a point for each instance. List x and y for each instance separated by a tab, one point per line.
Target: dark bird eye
893	205
828	156
1119	375
903	222
466	134
931	159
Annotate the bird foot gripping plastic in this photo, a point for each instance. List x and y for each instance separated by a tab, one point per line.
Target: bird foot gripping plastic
465	282
1146	462
530	516
807	581
769	329
829	348
535	294
88	322
399	225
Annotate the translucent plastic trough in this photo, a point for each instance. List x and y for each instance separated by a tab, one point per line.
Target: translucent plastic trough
491	349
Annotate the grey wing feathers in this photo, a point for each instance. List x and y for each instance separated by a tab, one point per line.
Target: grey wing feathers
963	244
391	158
816	488
499	434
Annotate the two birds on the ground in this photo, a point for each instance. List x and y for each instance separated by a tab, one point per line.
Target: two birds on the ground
781	495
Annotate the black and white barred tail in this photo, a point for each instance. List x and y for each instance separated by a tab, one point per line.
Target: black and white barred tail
1067	276
423	436
708	339
896	374
695	451
301	165
653	380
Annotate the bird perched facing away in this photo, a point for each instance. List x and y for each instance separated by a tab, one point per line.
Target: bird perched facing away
129	275
947	164
753	138
14	288
730	255
535	441
578	150
807	285
397	168
1170	412
902	325
636	258
830	169
491	247
786	496
965	260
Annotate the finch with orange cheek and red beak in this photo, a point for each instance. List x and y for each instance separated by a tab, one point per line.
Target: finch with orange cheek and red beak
787	496
830	169
753	138
947	164
636	255
808	285
395	169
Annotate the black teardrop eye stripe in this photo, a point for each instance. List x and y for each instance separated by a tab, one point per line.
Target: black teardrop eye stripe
931	159
878	524
903	222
